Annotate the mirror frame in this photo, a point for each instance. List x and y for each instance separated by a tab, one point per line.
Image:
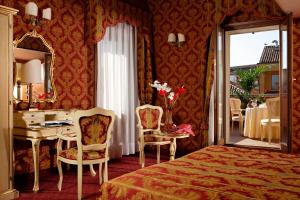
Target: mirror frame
34	34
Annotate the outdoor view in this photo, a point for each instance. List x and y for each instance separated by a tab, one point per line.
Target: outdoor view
254	78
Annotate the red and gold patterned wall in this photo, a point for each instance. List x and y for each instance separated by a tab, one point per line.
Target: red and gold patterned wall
296	87
196	20
74	65
73	68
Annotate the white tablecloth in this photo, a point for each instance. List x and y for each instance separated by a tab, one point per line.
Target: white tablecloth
253	129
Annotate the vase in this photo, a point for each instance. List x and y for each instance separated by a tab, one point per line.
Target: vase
169	118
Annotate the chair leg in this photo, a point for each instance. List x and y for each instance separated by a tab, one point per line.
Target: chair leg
158	153
143	158
79	181
261	132
105	172
100	173
92	171
60	175
232	126
142	155
269	133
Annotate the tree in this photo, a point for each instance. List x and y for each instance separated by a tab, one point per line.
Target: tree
247	78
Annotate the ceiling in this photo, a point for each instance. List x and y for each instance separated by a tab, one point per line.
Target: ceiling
290	6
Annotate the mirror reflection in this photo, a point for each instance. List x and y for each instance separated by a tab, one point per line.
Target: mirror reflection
33	69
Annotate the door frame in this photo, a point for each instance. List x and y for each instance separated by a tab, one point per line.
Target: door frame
238	27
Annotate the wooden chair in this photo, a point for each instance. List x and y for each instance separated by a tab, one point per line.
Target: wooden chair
149	123
273	106
236	112
92	133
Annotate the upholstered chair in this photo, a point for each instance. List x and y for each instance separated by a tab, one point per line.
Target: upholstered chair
149	123
273	120
236	113
92	133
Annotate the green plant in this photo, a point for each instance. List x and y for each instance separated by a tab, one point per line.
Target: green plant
247	78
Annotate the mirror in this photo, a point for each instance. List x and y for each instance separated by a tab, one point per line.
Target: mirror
33	69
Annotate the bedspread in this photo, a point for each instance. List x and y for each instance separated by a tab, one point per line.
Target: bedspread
215	172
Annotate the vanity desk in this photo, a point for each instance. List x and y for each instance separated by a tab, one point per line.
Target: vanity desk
26	128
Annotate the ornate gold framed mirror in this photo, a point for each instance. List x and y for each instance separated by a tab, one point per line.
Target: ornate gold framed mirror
33	69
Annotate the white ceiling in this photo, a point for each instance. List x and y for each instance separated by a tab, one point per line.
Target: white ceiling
290	6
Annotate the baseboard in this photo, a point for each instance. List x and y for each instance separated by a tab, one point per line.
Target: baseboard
9	194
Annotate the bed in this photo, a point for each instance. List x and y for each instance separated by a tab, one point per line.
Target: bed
215	172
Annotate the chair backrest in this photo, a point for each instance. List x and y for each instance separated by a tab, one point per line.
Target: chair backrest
149	117
235	106
273	106
93	128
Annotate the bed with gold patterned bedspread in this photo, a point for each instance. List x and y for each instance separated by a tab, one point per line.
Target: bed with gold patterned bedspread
215	172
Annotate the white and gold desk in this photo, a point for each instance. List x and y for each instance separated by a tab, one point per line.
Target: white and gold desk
24	129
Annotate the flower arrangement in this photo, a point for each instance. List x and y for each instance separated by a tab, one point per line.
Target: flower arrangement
46	95
166	91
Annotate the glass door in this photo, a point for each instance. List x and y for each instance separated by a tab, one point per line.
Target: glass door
285	83
220	97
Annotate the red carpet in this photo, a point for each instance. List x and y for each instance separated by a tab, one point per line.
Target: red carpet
90	187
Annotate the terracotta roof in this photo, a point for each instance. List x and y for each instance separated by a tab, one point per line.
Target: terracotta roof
270	54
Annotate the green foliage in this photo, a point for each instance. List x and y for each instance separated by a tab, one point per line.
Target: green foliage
247	78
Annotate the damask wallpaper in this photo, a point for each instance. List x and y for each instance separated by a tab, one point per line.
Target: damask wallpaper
73	68
196	20
74	62
296	87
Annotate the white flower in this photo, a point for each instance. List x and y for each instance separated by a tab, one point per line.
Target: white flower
171	95
156	84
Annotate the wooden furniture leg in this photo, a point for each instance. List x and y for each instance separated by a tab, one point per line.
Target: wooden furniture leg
68	147
92	171
158	154
36	161
173	148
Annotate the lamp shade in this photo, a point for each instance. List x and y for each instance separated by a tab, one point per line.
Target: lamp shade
47	13
31	72
171	37
31	9
181	37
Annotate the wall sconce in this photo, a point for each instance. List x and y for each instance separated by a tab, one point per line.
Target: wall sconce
31	10
176	41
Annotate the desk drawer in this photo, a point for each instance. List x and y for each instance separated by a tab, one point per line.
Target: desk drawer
67	129
64	115
31	120
23	122
34	115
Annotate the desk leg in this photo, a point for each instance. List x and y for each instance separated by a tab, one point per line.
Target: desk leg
173	147
36	162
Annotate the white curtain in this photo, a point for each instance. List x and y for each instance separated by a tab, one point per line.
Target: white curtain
211	118
117	85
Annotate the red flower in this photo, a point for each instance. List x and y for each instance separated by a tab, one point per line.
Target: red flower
181	90
162	92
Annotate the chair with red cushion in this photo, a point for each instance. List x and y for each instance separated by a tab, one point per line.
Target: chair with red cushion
92	133
149	122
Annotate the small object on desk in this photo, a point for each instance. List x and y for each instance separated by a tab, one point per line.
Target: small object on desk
56	123
180	129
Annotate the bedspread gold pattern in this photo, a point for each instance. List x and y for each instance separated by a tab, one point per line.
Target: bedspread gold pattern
215	172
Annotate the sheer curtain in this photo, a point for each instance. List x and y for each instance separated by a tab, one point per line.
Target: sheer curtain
117	85
211	122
